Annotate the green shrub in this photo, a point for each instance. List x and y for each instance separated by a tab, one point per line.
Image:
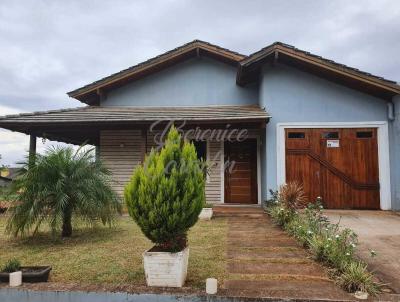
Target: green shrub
167	193
327	242
12	265
355	277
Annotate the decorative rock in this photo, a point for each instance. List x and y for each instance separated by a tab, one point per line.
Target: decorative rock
211	286
15	278
361	295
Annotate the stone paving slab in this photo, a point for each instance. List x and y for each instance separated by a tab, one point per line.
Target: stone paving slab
264	261
261	243
288	289
257	267
262	254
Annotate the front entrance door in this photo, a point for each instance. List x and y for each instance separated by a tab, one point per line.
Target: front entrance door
340	165
241	171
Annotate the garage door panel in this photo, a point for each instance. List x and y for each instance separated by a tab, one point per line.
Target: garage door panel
337	192
340	165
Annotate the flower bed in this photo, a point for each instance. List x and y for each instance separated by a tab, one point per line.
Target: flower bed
329	244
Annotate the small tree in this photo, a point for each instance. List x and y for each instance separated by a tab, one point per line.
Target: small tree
165	195
58	185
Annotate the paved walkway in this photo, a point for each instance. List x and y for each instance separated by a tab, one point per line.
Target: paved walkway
263	261
378	231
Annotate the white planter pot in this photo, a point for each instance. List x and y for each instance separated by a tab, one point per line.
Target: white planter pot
206	213
166	269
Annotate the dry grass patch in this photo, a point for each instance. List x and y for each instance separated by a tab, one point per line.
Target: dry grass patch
102	255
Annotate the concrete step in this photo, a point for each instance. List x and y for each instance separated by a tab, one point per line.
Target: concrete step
238	211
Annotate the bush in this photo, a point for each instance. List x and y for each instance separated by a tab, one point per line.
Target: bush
292	196
56	186
355	277
167	193
12	265
327	242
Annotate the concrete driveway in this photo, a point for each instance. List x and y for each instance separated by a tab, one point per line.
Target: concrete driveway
378	231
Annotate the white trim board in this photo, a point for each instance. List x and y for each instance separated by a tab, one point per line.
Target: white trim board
383	151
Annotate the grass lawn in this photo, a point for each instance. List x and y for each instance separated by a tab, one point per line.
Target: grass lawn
113	256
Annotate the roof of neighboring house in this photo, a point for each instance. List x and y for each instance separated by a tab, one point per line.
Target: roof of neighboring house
250	67
91	93
10	173
6	179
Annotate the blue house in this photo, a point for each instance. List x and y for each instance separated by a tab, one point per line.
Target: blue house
278	115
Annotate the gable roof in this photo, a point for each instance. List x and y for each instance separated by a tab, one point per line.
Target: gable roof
250	67
91	93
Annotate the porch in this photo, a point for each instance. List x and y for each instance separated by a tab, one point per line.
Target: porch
228	137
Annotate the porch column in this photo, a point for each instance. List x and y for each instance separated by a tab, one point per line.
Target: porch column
32	148
97	152
395	153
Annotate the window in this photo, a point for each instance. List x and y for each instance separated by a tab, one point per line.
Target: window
296	135
201	149
330	135
364	134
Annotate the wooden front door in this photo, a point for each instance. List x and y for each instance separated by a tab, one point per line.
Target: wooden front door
340	165
241	172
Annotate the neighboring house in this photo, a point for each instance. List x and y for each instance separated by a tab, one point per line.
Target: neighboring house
4	182
334	128
7	175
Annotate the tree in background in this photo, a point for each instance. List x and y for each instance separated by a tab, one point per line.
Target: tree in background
58	185
167	193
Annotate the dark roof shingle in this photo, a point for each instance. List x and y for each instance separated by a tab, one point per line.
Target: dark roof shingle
95	114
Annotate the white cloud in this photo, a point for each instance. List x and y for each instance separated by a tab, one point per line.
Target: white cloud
51	47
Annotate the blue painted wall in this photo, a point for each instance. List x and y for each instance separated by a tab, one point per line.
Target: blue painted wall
291	95
196	82
288	94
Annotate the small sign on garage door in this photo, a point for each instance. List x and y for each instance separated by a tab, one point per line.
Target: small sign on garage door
332	143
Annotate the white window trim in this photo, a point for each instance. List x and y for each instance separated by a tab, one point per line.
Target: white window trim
383	151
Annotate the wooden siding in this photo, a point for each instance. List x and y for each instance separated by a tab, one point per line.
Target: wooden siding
123	160
214	180
121	152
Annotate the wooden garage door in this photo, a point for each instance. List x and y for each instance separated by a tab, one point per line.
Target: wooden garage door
241	173
340	165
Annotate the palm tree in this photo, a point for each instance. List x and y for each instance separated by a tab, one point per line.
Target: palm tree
55	186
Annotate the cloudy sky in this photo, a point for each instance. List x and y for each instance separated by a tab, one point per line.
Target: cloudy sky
50	47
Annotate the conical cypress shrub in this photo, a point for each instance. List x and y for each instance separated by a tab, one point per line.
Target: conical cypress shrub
166	194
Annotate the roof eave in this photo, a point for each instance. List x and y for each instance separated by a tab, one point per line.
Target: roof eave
192	49
254	62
